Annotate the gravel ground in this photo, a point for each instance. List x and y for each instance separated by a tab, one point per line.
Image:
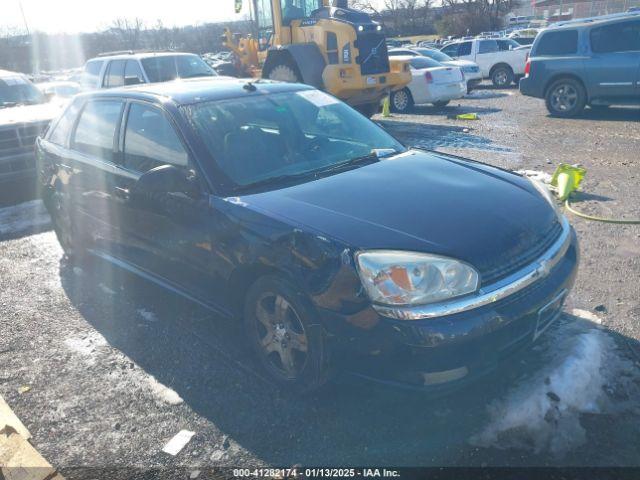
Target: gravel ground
104	369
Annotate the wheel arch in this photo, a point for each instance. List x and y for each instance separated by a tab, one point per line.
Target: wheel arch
560	76
500	64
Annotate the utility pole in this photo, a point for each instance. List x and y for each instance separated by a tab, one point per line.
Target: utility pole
24	18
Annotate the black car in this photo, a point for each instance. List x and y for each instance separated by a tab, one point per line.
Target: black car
337	246
24	113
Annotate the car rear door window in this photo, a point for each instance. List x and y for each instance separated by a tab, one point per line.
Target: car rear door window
150	140
96	129
487	46
133	73
115	74
564	42
61	131
618	37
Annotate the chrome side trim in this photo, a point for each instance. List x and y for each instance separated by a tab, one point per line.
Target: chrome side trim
616	84
538	270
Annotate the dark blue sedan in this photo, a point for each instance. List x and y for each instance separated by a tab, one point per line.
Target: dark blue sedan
339	248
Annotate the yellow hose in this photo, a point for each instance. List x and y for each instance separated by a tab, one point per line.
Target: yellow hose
567	204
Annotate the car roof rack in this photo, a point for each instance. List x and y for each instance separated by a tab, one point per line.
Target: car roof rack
134	52
601	18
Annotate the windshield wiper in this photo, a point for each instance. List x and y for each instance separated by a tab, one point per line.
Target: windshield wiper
373	157
277	180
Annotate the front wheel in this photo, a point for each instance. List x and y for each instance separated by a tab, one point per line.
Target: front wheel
285	336
566	98
402	101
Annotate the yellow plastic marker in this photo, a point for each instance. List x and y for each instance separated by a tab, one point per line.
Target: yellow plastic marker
386	107
468	116
567	179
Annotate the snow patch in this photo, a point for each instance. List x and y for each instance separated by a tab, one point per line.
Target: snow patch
542	413
23	218
164	393
538	175
106	289
147	315
86	345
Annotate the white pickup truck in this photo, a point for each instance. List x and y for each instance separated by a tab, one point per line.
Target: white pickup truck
500	59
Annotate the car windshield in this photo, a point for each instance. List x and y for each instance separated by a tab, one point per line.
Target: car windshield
171	67
286	135
435	54
18	90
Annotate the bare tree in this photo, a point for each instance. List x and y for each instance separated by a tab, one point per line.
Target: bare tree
128	32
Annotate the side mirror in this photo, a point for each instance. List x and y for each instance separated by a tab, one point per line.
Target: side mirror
132	81
164	180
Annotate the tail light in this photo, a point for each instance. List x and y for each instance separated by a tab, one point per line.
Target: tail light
429	77
527	68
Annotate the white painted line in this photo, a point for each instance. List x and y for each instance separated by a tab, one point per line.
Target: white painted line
177	443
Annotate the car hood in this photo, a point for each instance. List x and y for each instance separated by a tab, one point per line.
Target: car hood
420	201
30	113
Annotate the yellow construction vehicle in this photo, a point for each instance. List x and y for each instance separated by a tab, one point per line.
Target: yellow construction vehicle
322	43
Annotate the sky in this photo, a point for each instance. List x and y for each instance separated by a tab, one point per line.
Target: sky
72	16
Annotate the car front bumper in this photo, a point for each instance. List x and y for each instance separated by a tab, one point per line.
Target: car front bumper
440	352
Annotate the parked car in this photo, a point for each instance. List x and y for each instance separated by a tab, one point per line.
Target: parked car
595	62
120	69
499	59
431	82
24	113
470	69
60	89
337	247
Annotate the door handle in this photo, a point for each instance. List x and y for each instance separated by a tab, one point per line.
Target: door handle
122	193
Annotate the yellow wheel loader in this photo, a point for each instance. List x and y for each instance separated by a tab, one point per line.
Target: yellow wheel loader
331	47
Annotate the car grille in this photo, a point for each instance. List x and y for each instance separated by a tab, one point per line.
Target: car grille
471	69
15	143
521	261
373	57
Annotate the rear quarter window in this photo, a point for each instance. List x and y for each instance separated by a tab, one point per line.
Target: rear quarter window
62	129
563	42
617	37
91	73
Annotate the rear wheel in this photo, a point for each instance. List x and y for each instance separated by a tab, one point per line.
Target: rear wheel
441	104
566	98
402	101
284	335
64	227
502	76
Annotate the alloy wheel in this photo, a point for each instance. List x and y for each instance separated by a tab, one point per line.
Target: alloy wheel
401	100
501	78
281	336
564	98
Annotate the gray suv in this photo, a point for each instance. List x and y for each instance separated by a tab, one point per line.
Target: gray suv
593	62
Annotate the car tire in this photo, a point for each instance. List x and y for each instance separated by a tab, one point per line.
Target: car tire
502	76
566	98
402	101
285	336
284	71
72	246
441	104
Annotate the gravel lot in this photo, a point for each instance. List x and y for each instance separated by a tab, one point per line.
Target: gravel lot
116	367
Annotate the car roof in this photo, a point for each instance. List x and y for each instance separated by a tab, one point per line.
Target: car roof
139	55
197	90
602	20
8	73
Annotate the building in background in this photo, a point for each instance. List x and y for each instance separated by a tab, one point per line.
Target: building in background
549	11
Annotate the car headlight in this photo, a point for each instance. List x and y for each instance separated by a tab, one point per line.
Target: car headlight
410	278
548	196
